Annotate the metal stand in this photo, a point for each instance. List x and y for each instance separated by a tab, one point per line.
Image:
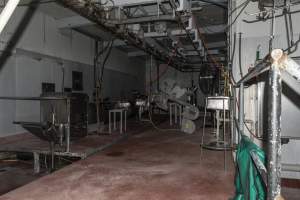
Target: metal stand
213	103
177	113
121	112
37	167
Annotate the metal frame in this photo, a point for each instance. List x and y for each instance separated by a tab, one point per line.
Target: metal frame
218	144
279	62
162	10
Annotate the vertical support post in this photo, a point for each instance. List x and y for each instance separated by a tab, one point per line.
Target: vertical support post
67	137
218	124
241	111
109	121
52	146
36	166
68	126
224	133
96	62
115	121
150	75
121	121
180	114
274	128
233	117
61	134
157	75
175	113
170	106
203	127
125	119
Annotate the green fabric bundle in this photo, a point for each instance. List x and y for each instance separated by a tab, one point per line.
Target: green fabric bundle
248	181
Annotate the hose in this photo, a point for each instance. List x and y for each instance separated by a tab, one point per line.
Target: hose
232	57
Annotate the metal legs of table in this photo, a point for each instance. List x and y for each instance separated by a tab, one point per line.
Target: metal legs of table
36	166
217	144
121	112
177	113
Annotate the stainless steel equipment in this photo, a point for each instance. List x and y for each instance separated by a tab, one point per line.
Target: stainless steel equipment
63	116
71	112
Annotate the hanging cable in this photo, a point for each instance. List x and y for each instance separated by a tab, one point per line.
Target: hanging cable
239	6
103	65
244	7
240	55
232	58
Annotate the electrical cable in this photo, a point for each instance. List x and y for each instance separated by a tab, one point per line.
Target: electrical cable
232	58
100	80
251	133
244	7
236	8
102	51
287	28
103	64
156	127
291	28
240	55
166	69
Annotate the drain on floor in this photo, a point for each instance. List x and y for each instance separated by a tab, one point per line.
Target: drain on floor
115	153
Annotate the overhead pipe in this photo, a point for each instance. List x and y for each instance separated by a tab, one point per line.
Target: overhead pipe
90	11
7	12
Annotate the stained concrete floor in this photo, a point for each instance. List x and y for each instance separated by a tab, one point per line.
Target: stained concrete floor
14	174
152	165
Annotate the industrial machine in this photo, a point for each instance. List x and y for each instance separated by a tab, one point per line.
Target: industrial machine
174	93
63	117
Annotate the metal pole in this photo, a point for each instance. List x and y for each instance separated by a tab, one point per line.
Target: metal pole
157	75
150	76
233	114
274	128
68	127
241	111
37	167
96	63
224	134
272	34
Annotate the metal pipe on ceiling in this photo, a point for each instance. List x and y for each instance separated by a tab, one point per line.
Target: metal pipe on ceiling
7	12
92	12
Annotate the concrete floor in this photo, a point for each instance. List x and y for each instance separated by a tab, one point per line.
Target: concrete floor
14	174
152	165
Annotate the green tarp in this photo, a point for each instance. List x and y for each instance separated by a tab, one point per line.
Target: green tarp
248	182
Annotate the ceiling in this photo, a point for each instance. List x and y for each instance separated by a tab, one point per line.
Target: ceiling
196	31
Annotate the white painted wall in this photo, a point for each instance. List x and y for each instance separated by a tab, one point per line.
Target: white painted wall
255	34
38	56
